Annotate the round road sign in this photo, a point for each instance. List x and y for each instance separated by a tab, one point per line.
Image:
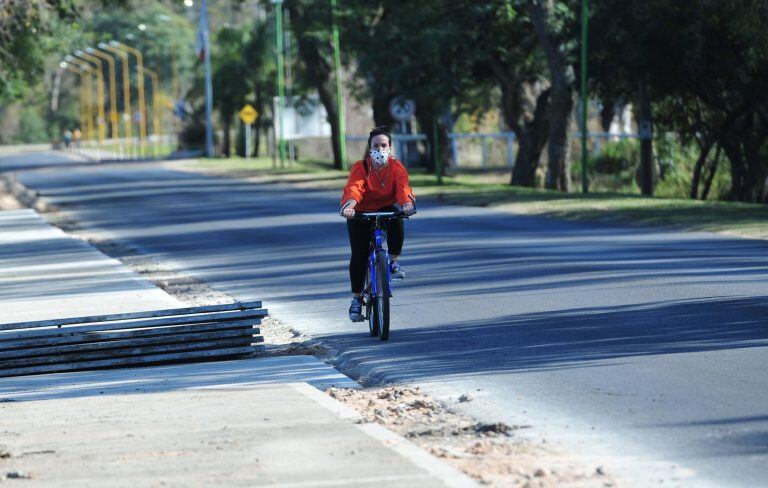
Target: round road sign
402	109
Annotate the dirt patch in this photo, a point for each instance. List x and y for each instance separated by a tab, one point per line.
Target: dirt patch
496	455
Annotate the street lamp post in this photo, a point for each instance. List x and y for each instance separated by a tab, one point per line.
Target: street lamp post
88	89
142	100
100	122
176	90
126	93
84	95
156	108
113	115
208	79
280	82
88	75
339	98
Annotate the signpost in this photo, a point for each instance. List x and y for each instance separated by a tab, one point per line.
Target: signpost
248	115
402	109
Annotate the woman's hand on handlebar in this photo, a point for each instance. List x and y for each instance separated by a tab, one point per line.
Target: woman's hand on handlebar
409	209
348	210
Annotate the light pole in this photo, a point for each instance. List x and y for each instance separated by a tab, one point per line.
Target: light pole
142	100
280	84
584	20
89	100
100	122
113	116
88	74
156	109
173	71
84	96
339	98
206	45
126	93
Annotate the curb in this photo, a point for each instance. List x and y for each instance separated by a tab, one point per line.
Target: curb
447	474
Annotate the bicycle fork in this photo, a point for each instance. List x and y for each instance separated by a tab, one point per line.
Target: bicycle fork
381	236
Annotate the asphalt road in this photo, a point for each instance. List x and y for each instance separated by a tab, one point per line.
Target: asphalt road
648	347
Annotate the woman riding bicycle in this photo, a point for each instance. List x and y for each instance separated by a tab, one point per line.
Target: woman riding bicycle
376	183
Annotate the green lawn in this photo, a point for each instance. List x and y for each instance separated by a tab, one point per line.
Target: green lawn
264	166
491	190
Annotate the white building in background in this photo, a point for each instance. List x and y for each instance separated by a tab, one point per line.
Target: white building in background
303	117
623	122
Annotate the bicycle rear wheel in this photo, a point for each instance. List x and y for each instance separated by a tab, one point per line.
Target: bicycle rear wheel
381	303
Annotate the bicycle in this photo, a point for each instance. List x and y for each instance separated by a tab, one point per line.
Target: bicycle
378	281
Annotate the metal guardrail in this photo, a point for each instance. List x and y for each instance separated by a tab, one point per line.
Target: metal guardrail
400	141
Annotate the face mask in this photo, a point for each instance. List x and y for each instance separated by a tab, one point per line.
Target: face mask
379	158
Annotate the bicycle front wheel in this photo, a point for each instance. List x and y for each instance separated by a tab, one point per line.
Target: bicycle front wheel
370	309
381	301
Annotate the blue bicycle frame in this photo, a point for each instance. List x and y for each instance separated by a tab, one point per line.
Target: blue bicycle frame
380	235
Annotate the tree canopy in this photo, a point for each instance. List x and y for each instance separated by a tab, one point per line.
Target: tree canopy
700	67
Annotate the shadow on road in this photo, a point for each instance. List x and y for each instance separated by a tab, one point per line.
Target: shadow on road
585	337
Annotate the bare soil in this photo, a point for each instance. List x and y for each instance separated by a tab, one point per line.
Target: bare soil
495	455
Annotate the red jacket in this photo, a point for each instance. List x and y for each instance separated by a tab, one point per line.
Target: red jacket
372	193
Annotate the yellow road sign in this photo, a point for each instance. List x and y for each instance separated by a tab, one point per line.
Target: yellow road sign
248	114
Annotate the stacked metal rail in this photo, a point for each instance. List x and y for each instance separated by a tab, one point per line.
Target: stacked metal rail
131	339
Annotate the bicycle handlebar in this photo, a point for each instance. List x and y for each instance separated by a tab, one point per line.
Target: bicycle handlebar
374	215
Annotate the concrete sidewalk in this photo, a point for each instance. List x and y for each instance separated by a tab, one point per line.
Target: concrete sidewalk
47	274
251	422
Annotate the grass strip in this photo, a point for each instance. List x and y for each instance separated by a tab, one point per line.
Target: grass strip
492	190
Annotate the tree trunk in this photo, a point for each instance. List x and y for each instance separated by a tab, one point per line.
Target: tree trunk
315	56
607	114
705	147
561	108
737	168
380	106
526	116
742	143
531	141
711	176
646	140
561	98
227	127
426	119
257	126
328	100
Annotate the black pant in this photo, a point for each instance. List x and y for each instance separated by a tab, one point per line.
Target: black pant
360	240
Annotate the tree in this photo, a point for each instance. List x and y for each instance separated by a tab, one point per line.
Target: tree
231	78
705	65
311	25
420	54
262	73
507	52
25	28
554	22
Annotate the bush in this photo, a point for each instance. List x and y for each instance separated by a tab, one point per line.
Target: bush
617	157
32	128
192	134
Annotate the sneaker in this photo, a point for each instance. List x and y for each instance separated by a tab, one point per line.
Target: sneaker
396	271
356	310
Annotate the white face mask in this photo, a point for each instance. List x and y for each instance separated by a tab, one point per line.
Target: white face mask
379	158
